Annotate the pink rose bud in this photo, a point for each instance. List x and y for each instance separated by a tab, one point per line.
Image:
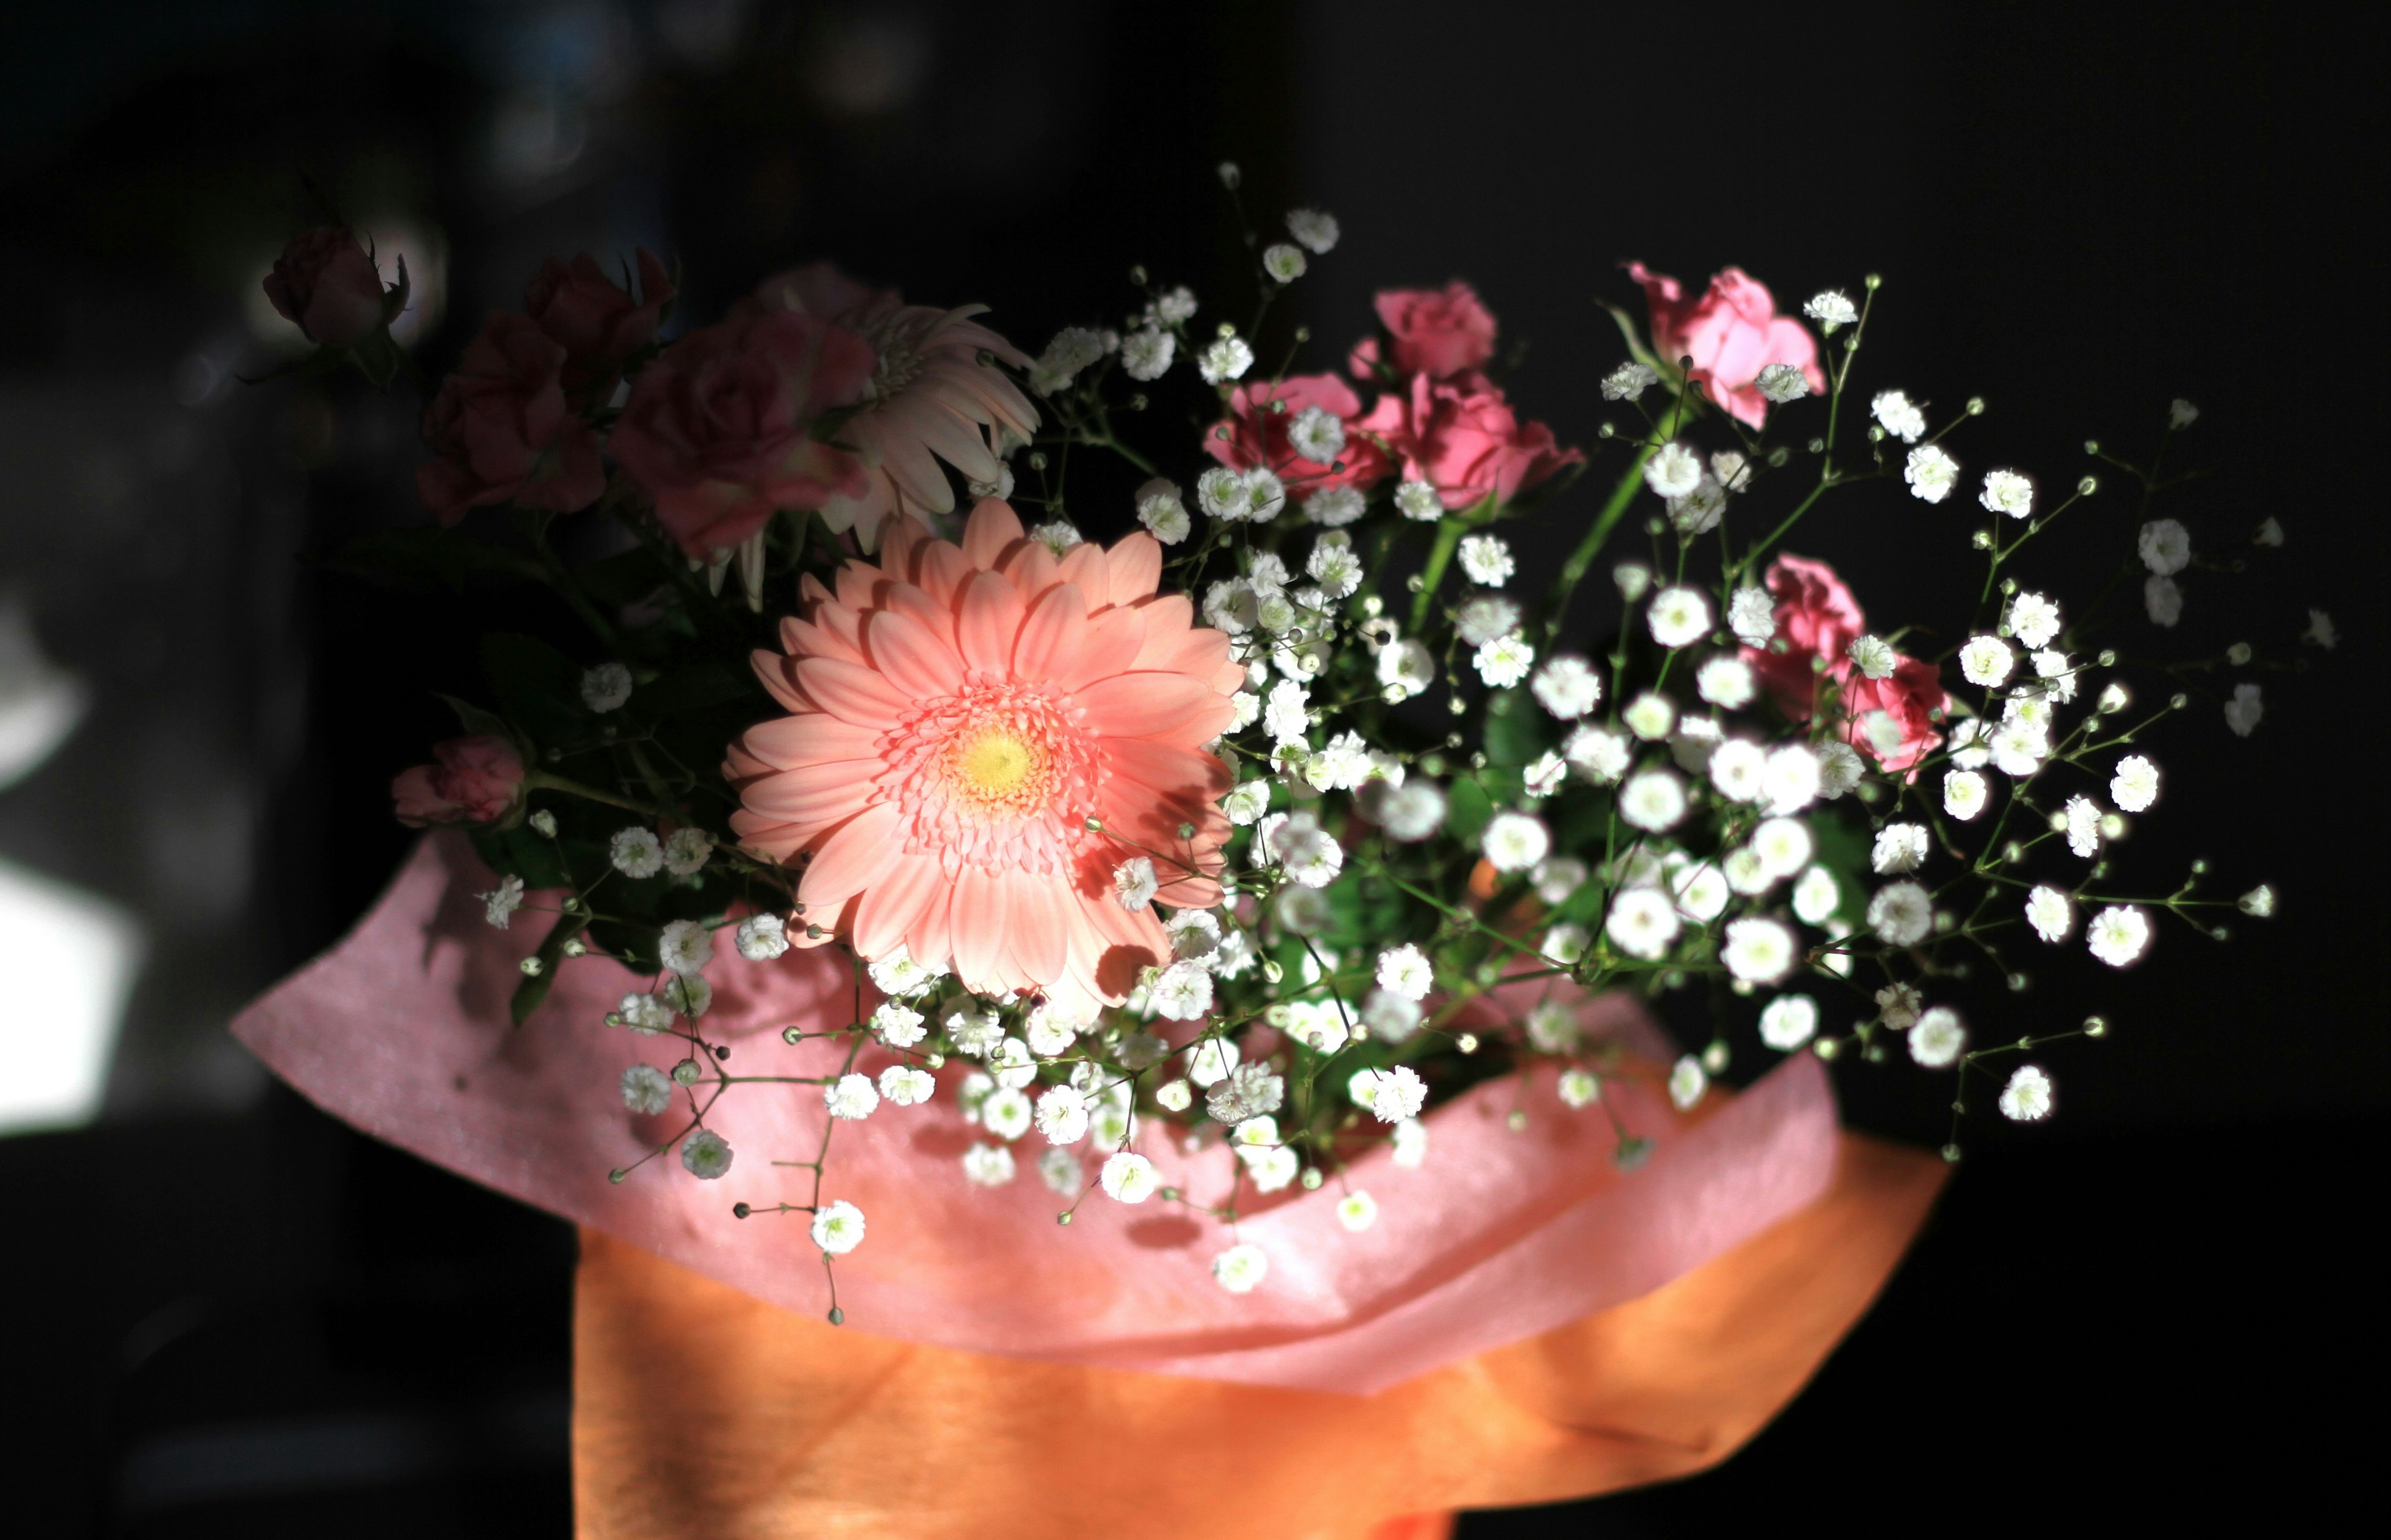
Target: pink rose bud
1731	333
1818	620
595	320
1461	437
475	780
1439	333
501	430
326	284
719	428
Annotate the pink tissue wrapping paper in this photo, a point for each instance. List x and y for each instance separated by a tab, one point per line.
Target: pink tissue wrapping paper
402	1031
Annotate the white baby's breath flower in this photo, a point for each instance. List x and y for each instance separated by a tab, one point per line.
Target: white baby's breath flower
2081	821
1673	471
1315	231
1597	754
1688	1081
897	1025
1552	1027
1726	682
1792	779
1695	740
1058	536
1782	846
1506	660
1146	353
1406	669
2119	934
644	1014
1931	472
1965	794
1558	876
1832	308
1317	434
1897	414
1419	501
1758	951
904	1086
1899	848
1736	768
1633	580
1649	716
1287	714
1703	891
685	946
1241	1268
1388	1094
498	905
2050	913
1782	382
2162	599
1406	971
2258	902
2164	546
1898	1006
1486	559
988	1165
1285	263
605	687
1182	991
1679	617
1901	913
646	1089
1163	510
1839	769
637	853
1411	811
2243	712
851	1097
1653	801
705	1155
1133	883
1699	511
1357	1211
1578	1088
2034	619
1220	492
1987	660
1226	358
1816	896
1730	469
1334	508
1565	944
1746	873
1542	776
2008	492
1389	1018
1308	855
1751	615
2135	785
1628	382
1515	841
1485	617
1788	1022
2026	1099
1062	1115
837	1229
2321	631
1006	1113
1059	1169
1567	687
1937	1038
761	938
2019	747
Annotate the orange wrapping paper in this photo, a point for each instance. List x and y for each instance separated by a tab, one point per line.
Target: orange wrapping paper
703	1411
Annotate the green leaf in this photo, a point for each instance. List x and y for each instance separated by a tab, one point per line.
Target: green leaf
1515	729
1467	808
475	720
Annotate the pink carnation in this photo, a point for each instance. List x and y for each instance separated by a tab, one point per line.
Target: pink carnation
1731	333
475	780
1910	697
1255	433
596	320
720	427
1461	437
979	736
1436	332
501	431
326	284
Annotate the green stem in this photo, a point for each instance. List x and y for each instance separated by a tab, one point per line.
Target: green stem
1439	555
542	780
1596	533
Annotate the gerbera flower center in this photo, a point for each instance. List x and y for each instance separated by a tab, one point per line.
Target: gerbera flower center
995	775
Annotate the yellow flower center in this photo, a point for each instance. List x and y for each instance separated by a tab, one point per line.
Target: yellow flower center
994	765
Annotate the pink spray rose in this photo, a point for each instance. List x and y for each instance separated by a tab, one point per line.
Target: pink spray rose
476	781
501	431
1461	437
1818	620
718	427
1256	433
595	320
326	284
1438	332
1731	333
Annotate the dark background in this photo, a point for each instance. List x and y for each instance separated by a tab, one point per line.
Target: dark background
234	1317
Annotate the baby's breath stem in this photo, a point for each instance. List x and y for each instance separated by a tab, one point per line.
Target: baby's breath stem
1596	533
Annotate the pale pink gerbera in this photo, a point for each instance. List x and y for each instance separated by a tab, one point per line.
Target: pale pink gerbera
960	715
930	395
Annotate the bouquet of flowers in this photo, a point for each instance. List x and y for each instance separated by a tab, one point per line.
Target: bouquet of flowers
1199	869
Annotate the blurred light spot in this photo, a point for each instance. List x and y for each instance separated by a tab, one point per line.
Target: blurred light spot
533	135
872	65
40	703
72	957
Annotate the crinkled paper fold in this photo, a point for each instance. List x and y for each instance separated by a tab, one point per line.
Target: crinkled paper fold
1499	1236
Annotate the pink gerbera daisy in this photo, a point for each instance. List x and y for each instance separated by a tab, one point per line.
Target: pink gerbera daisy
930	395
961	717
